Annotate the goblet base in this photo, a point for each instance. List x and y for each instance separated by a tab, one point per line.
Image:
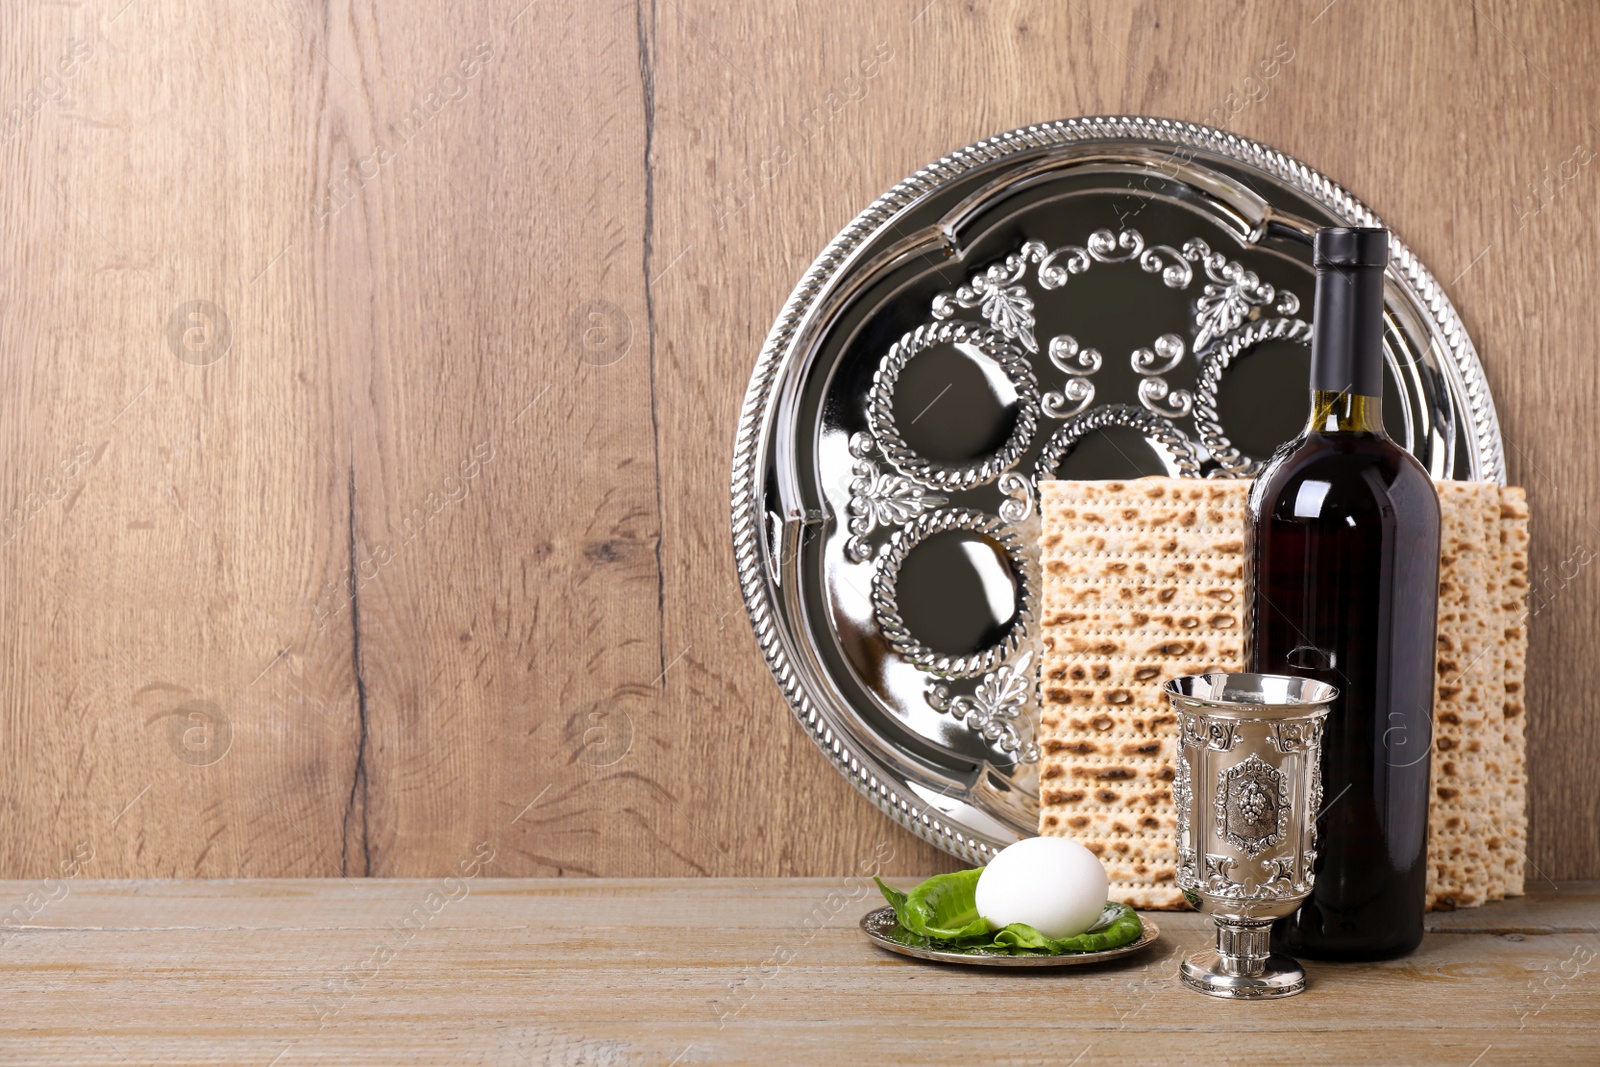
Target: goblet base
1280	977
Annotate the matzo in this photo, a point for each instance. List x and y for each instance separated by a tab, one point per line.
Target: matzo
1469	681
1514	607
1143	581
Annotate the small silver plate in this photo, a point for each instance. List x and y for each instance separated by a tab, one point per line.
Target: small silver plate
1095	298
879	926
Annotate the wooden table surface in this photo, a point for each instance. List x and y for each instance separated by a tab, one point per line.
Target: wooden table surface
681	971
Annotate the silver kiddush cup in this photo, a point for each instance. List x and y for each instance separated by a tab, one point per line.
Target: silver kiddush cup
1248	787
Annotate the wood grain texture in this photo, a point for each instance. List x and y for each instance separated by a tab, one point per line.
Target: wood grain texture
488	971
441	534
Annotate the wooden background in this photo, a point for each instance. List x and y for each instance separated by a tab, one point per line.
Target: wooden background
415	536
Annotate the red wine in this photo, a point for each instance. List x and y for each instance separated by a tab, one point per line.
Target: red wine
1344	549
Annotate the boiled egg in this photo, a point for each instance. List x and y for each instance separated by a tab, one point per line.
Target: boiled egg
1053	884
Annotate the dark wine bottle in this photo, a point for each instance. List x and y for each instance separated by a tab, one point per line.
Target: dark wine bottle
1344	550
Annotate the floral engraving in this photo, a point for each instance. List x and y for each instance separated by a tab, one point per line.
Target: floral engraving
1072	399
1278	877
879	499
1162	356
1103	246
1268	879
1019	491
1231	296
1182	798
1158	399
1154	392
1295	736
999	296
995	708
1073	358
1198	732
1308	851
1175	271
1219	880
1078	393
1057	267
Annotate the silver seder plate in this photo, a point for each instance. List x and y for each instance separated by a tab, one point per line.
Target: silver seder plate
1092	298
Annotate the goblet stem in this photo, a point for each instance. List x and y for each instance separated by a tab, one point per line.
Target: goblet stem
1244	946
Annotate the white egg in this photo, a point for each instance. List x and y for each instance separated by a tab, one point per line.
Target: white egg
1053	884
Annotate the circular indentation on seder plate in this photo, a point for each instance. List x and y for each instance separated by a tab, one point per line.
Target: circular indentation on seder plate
953	404
957	592
1116	441
951	593
1249	382
1264	401
1114	452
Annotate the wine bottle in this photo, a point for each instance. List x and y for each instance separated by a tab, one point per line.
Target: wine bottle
1344	571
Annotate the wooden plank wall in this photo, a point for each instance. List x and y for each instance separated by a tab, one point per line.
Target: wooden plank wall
369	373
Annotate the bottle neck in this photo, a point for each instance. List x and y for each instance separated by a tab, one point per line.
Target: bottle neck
1347	338
1345	412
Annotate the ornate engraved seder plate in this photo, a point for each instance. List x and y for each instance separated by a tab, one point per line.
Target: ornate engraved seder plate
1094	298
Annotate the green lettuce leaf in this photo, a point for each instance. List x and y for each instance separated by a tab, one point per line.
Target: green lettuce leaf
942	913
944	908
896	899
1117	926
